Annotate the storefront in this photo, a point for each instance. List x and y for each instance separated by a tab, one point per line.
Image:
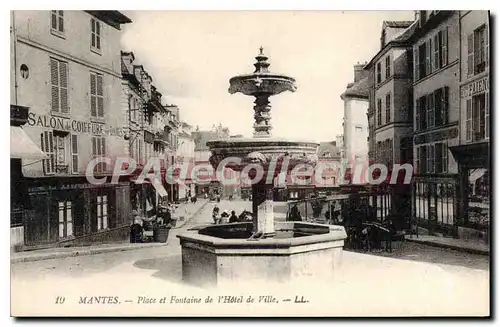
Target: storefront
473	155
71	211
21	147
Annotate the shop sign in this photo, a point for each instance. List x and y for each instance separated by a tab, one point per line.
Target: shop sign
73	126
476	87
79	186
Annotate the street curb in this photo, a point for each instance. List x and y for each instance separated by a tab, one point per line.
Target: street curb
449	246
191	217
85	252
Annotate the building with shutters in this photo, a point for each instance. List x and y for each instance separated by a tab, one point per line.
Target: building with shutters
391	100
473	151
67	71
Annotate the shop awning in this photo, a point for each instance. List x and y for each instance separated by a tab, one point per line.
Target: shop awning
160	189
476	174
22	147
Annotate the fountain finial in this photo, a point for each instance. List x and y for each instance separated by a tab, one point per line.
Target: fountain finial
261	66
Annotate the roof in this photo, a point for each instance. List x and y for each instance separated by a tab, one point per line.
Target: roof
111	17
398	23
359	89
330	147
400	40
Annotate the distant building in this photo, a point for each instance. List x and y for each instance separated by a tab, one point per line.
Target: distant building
186	155
355	123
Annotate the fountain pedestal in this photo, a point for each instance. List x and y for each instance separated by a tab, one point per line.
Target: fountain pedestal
262	204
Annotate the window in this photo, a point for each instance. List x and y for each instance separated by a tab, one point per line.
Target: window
387	66
102	212
477	118
379	73
59	86
421	114
478	51
99	150
61	146
388	108
95	43
65	219
74	154
57	22
379	112
47	145
96	95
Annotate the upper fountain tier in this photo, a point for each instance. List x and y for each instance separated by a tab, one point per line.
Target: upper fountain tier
262	148
261	81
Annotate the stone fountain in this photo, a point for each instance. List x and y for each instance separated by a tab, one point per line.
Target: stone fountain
262	249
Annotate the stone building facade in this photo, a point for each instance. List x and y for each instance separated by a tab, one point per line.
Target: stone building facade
67	69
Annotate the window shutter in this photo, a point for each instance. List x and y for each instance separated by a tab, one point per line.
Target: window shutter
92	28
63	86
61	21
74	153
470	55
415	64
436	63
486	45
103	146
430	110
47	143
428	59
94	147
54	19
445	104
54	81
444	49
417	114
438	157
100	98
468	121
487	114
93	98
98	35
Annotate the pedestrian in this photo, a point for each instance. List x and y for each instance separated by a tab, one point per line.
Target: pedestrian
215	214
224	217
233	218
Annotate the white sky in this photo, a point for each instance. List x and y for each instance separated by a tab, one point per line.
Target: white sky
192	55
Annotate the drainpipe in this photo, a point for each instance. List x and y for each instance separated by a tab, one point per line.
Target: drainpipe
14	39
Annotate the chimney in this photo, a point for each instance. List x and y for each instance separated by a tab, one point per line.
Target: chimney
359	73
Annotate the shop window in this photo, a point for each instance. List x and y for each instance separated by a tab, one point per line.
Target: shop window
65	219
102	212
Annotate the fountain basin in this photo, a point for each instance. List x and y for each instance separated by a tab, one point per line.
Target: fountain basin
222	254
